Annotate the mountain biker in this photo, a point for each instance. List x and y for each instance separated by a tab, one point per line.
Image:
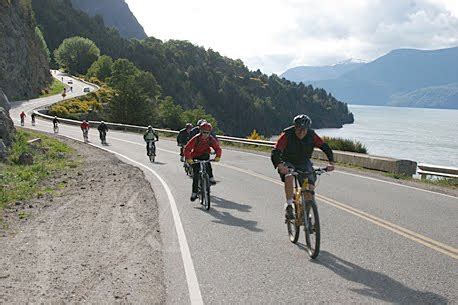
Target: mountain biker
33	118
85	128
183	137
294	148
55	121
22	115
149	136
103	129
198	148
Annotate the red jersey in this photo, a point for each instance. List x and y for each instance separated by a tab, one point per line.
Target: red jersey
84	125
198	146
22	115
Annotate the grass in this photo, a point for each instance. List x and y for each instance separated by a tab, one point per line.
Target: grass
56	88
345	145
441	181
22	182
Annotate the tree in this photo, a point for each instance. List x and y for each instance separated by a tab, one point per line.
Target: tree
77	54
169	114
101	68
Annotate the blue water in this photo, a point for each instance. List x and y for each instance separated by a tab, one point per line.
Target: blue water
418	134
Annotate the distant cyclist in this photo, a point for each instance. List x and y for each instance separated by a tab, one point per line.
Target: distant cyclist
55	124
198	148
150	136
196	129
103	129
85	128
183	137
294	148
22	116
32	116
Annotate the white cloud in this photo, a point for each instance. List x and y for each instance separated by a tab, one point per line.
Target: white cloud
274	35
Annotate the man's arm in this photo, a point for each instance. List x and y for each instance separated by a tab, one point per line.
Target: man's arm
319	143
276	155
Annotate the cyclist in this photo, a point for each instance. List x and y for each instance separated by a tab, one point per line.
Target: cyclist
196	130
33	118
294	148
183	137
85	128
55	123
149	136
198	148
22	115
103	129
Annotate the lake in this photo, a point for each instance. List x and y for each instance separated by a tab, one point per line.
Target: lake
419	134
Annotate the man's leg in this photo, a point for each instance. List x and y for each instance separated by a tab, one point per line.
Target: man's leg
210	174
195	181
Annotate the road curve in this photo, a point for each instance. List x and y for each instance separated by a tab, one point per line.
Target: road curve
381	242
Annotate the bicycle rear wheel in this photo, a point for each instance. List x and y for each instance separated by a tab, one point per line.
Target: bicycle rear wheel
312	229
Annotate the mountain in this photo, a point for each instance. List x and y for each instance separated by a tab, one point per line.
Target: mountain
241	100
445	96
306	74
24	67
115	13
384	80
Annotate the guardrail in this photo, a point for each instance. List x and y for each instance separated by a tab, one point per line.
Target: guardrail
391	165
425	170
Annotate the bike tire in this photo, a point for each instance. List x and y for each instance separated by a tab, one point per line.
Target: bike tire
312	239
293	228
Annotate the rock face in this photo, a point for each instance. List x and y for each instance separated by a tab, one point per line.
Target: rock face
6	124
24	68
115	13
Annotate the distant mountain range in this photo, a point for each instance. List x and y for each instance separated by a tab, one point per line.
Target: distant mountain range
115	13
310	73
403	77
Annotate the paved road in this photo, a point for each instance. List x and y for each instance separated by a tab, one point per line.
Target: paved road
381	242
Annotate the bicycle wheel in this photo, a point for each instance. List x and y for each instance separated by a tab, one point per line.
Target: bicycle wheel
292	227
204	198
312	229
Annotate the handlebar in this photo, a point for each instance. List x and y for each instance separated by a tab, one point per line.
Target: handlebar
317	171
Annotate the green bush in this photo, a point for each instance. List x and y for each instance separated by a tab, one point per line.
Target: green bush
345	145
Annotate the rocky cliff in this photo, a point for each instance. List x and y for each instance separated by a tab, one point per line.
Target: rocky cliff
6	126
24	68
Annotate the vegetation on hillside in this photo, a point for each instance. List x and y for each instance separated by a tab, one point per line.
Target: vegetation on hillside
241	100
21	182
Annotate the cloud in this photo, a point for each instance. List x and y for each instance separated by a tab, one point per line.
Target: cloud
275	35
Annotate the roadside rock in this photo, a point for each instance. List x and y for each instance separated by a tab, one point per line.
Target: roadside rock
26	159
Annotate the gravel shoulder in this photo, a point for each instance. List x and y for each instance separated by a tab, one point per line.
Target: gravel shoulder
96	239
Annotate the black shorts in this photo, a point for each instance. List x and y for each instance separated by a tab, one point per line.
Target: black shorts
307	167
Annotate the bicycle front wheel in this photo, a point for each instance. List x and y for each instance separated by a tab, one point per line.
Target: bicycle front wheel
293	227
312	229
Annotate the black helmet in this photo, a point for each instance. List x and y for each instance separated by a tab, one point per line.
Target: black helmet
302	121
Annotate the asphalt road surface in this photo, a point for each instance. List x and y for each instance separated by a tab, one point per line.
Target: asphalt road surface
382	242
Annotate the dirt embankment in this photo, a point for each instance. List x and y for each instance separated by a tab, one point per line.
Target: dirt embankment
96	240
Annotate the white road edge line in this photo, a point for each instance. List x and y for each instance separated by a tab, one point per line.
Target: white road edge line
191	277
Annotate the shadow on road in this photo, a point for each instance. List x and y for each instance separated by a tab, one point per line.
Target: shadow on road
227	218
377	285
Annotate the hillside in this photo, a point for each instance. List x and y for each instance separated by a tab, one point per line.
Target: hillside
239	99
398	72
115	13
445	96
314	73
24	68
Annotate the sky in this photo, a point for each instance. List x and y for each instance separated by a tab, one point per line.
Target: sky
274	35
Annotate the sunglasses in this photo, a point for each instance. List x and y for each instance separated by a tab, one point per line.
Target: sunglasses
205	132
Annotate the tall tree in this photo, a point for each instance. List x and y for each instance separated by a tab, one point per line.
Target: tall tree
77	54
101	68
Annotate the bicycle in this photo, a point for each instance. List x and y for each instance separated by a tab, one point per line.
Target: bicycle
203	192
103	137
22	121
309	217
56	128
86	135
151	151
187	167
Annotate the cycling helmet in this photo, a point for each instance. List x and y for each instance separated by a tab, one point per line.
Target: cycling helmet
150	127
188	125
201	121
302	121
206	126
102	122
